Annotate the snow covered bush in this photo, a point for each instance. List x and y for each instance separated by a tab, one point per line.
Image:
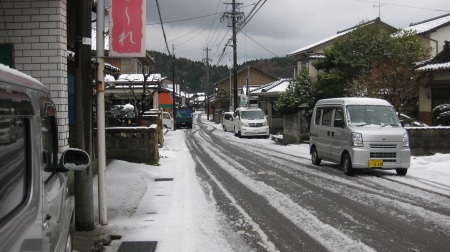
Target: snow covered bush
441	114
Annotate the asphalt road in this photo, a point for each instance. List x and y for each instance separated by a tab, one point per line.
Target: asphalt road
279	201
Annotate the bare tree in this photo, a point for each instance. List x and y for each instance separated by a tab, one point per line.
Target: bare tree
397	83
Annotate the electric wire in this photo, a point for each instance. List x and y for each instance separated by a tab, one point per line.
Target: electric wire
162	26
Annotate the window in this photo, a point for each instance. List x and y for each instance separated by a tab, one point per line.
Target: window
14	146
49	138
318	114
327	115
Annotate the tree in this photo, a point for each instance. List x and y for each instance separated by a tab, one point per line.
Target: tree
368	56
301	91
224	98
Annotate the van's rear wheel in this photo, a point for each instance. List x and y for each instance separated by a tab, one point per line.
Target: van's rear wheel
315	157
347	165
401	172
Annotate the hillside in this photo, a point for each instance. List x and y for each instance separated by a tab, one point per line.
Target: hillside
193	72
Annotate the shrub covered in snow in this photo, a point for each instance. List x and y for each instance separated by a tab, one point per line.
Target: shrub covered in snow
441	114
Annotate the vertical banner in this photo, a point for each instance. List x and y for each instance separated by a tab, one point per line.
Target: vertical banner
127	28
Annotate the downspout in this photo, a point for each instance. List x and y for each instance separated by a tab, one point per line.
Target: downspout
437	45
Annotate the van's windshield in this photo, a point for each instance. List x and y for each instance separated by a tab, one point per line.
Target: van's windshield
252	114
360	115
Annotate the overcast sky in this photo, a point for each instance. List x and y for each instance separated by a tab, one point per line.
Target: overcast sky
278	28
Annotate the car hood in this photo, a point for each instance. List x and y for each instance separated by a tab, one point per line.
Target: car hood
376	133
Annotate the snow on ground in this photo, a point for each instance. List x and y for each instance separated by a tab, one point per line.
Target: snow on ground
181	217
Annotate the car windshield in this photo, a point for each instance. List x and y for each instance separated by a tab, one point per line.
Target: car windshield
361	115
252	114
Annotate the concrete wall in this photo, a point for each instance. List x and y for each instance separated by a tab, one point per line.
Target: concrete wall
137	145
429	140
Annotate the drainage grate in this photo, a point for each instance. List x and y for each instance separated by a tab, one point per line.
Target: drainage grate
138	246
163	179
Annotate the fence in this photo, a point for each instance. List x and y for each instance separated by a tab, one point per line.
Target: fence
133	144
429	140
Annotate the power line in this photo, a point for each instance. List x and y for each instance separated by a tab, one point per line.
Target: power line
162	26
406	6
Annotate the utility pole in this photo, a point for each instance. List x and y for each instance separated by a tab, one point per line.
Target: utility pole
206	60
84	202
174	90
236	18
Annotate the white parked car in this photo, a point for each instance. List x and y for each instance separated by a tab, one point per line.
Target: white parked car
227	121
250	122
167	120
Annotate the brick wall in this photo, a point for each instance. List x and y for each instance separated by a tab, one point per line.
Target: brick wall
38	32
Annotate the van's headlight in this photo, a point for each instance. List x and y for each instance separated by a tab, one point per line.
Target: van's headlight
266	123
357	139
405	140
243	124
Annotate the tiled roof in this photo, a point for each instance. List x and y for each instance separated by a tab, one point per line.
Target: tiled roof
434	67
277	86
430	24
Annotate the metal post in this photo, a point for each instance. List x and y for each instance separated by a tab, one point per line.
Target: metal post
235	91
101	156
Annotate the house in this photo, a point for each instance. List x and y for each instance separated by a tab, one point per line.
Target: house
437	90
434	33
266	96
249	76
305	56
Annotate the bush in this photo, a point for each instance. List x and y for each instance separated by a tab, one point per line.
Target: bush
441	114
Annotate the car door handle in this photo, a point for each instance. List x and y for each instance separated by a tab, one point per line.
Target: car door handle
328	133
332	133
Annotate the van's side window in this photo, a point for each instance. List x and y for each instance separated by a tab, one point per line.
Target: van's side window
327	115
318	114
14	173
338	118
49	138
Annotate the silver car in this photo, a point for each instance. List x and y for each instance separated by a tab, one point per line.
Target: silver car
36	212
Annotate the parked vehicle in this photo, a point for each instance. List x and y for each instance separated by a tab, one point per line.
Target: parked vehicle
36	212
167	120
184	118
227	121
250	122
359	133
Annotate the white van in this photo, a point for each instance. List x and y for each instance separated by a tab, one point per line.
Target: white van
359	133
250	122
36	211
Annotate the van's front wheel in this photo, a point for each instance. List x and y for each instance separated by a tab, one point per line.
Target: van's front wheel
315	157
347	165
401	172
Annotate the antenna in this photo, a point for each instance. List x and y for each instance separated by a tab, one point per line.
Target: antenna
379	5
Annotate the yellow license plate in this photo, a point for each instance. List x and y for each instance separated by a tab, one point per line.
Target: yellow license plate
375	163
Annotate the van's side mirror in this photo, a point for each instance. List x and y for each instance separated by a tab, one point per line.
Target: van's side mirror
74	159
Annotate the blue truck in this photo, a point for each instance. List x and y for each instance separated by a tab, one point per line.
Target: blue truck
184	118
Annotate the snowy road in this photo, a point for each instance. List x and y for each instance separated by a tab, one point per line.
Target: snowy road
278	201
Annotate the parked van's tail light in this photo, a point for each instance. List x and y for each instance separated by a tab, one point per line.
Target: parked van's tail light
357	139
405	140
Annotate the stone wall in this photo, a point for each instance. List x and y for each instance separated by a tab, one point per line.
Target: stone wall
295	128
133	144
429	140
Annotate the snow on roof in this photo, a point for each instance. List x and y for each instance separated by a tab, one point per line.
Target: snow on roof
306	48
14	72
430	24
434	67
277	86
133	78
